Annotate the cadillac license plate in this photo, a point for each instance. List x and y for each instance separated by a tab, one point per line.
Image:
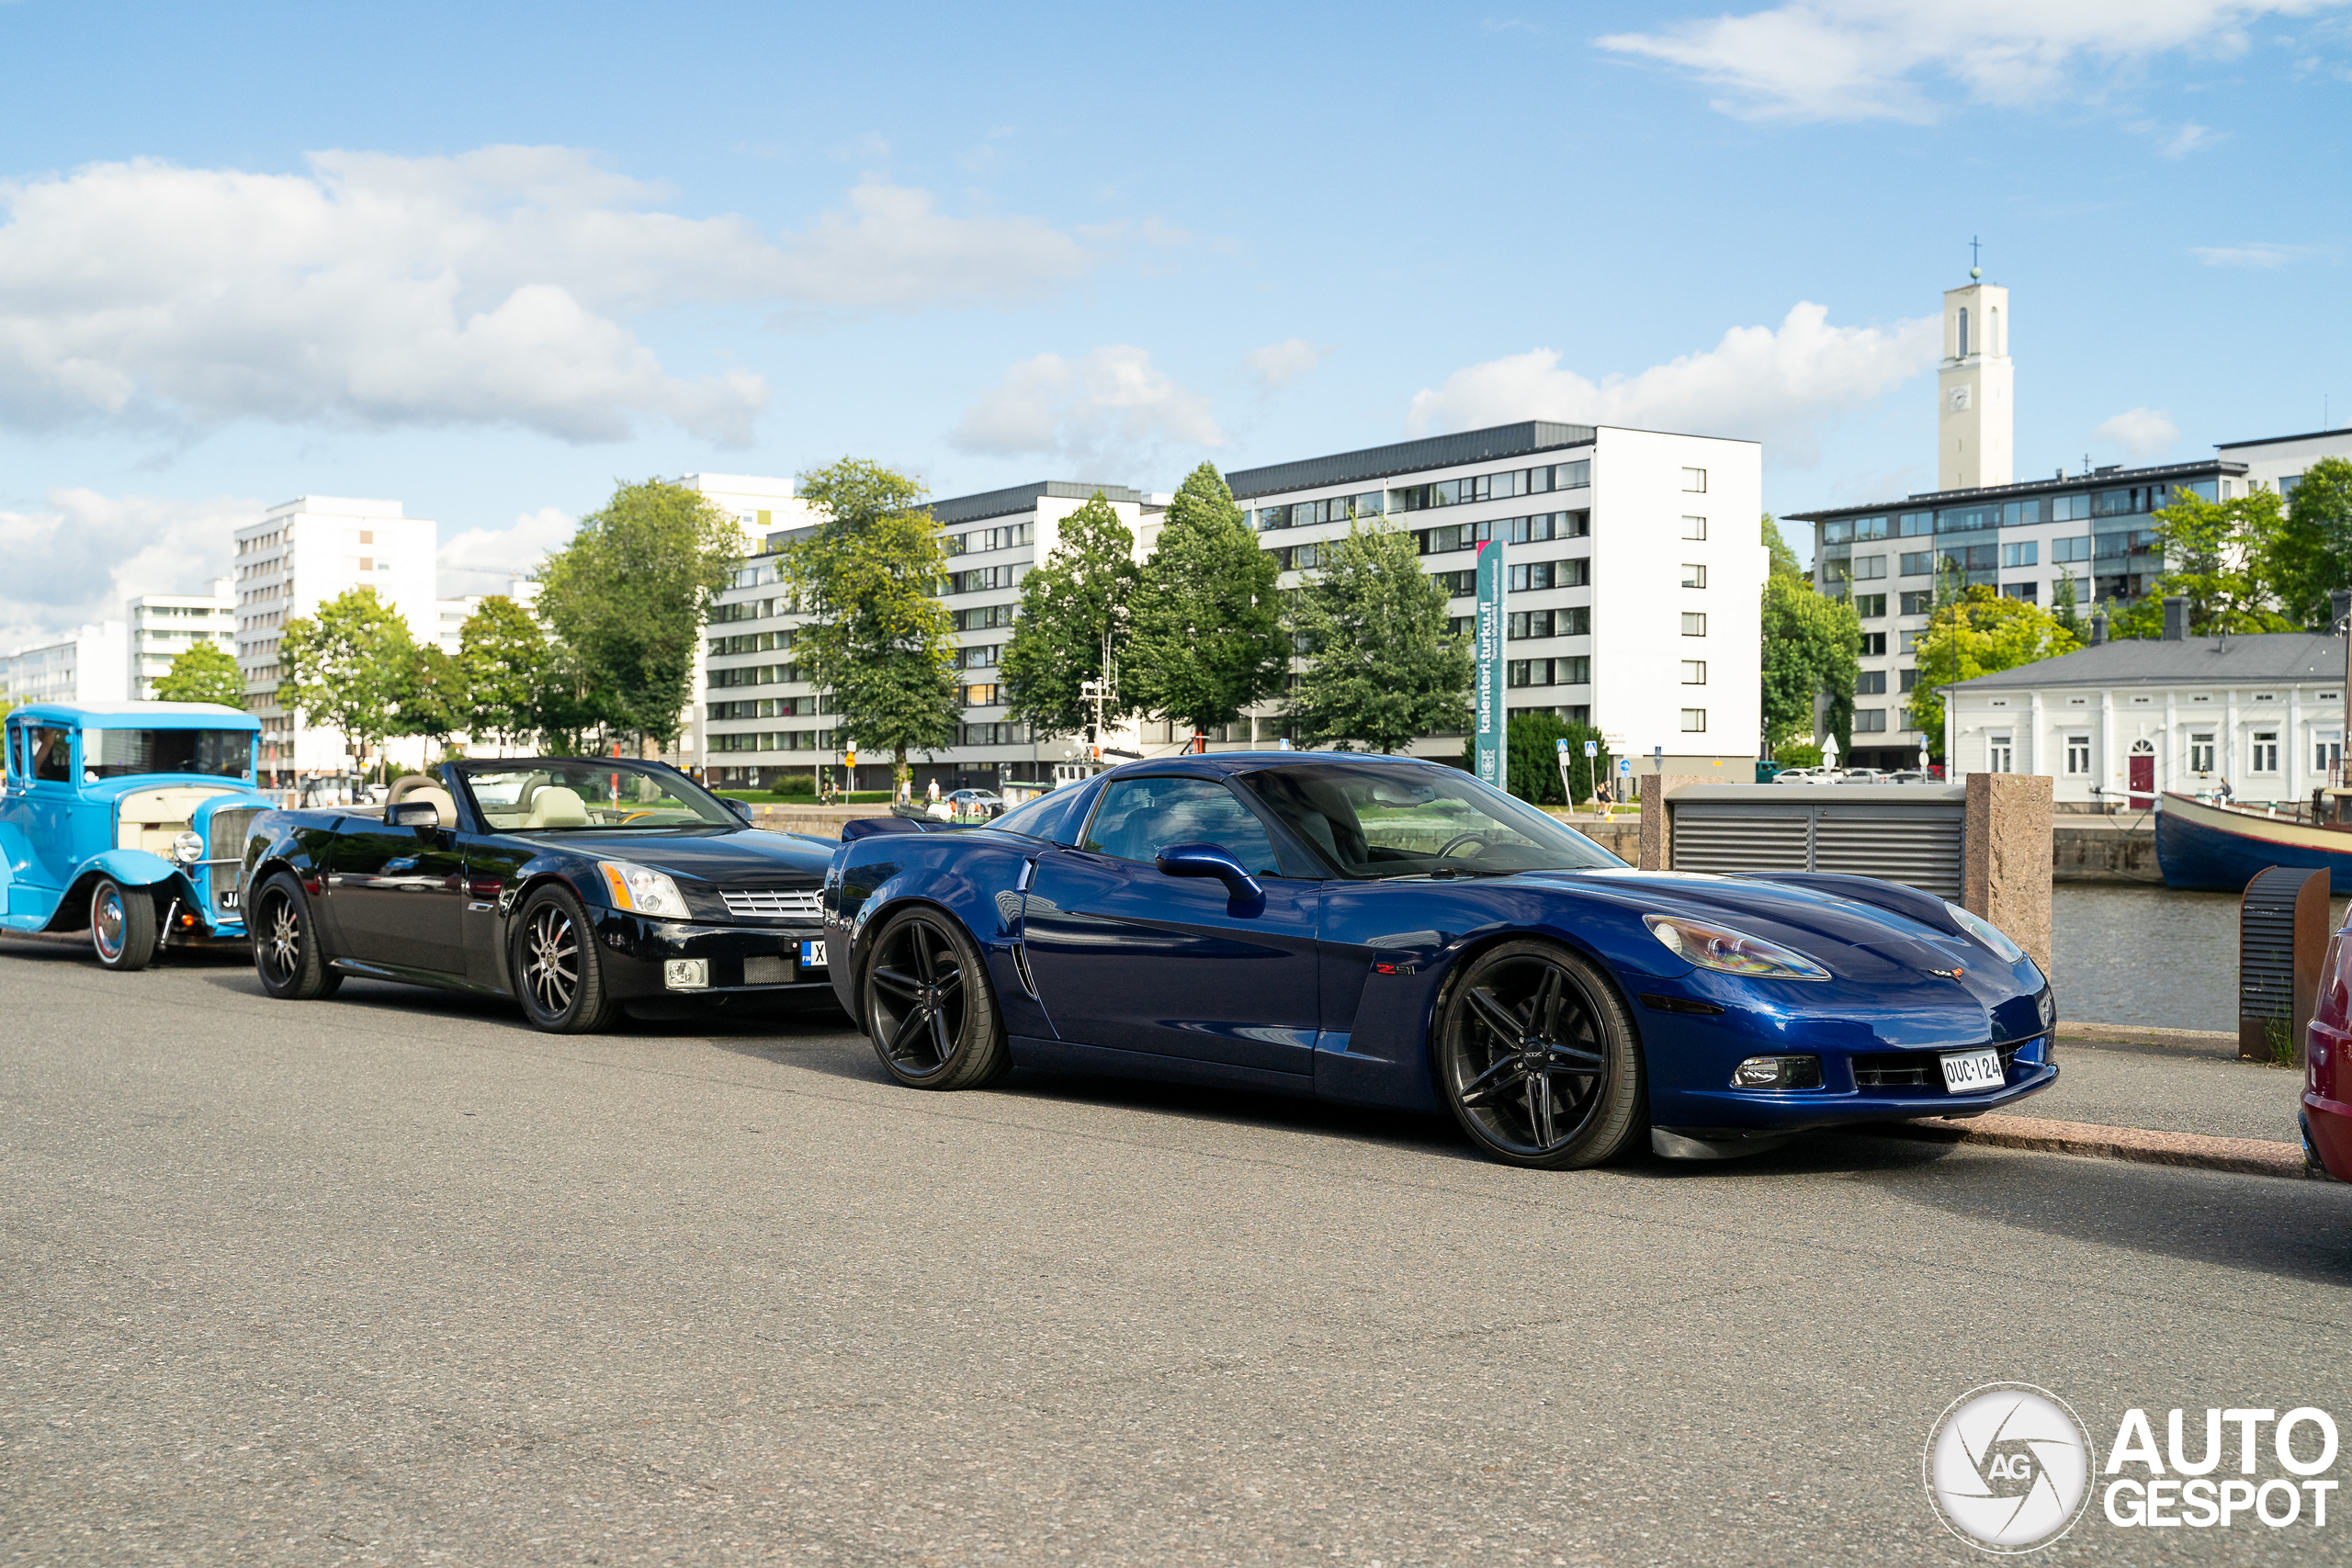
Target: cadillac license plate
1972	1072
813	955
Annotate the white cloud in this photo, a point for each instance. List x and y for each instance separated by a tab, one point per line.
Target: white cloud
1759	383
1112	404
2254	253
488	288
78	557
480	561
1816	59
2143	432
1277	365
2189	138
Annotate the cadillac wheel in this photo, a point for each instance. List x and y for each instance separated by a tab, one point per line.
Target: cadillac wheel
928	1006
557	973
285	952
1538	1059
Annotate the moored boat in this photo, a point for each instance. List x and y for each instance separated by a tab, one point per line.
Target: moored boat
2201	844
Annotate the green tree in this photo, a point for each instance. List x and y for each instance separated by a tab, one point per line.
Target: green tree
1208	638
2061	607
203	673
1383	665
629	596
1981	635
504	659
564	710
432	700
1073	624
2217	556
869	580
2311	553
1812	644
1532	770
348	668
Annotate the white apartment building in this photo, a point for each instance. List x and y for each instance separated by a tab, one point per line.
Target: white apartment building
301	555
165	626
1635	568
92	664
2278	462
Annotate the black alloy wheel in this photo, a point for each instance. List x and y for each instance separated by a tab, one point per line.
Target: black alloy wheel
123	930
558	975
286	948
1538	1058
929	1008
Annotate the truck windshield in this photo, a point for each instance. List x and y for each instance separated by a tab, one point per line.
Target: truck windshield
126	753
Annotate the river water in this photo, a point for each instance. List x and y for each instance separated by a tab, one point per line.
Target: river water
2147	955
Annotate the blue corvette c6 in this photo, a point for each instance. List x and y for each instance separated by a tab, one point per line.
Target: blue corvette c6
1388	932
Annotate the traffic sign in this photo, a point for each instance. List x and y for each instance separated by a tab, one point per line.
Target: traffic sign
1560	744
1625	765
1591	748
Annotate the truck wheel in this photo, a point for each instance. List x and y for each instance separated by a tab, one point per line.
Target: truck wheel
286	943
122	926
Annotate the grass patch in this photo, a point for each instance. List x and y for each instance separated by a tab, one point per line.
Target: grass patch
2276	1035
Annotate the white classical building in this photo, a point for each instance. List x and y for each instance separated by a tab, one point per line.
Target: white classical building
301	555
91	664
165	626
2115	724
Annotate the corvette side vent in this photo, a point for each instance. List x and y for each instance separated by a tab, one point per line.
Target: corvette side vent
772	904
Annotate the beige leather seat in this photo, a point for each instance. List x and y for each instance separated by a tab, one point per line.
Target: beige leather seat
556	806
436	797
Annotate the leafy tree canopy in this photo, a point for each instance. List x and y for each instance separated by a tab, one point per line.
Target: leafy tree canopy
348	669
433	699
1075	610
1812	644
2219	555
1208	640
629	596
204	672
1980	633
1781	561
1383	665
2311	553
504	657
1533	768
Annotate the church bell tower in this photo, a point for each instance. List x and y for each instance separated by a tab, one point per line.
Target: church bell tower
1975	390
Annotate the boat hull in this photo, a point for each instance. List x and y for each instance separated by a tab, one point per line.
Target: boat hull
2208	846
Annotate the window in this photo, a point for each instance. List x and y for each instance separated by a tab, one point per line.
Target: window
2029	591
1908	642
1694	574
2026	554
979	696
1535	530
984	618
1549	574
367	535
1531	622
2266	751
2078	755
2200	751
1576	670
367	563
1694	721
1694	527
1694	481
1576	622
1999	755
1870	721
1918	563
1873	644
1964	334
1919	602
2327	751
1139	817
2077	548
1694	624
1475	487
981	577
1869	606
1870	683
1694	671
1869	566
1907	679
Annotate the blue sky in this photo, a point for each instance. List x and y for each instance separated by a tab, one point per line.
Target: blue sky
488	259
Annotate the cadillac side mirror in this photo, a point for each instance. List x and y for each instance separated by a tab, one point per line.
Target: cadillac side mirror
413	814
1211	859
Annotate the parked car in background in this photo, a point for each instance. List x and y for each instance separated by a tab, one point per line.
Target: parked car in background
1903	776
1806	775
127	820
1862	775
2325	1115
577	886
976	803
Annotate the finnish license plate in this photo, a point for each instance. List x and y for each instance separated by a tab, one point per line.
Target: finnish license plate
1972	1072
813	955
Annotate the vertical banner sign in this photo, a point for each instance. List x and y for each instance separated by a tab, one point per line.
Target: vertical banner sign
1493	738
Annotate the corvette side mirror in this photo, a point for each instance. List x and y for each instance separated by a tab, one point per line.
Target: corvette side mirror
413	814
1211	859
740	808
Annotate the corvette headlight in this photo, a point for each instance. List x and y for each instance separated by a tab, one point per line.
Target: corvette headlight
1987	934
643	889
188	848
1733	953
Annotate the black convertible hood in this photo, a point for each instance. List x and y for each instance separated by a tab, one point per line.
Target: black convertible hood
733	857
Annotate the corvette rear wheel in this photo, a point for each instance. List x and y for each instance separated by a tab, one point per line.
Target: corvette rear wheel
1539	1060
122	926
929	1008
286	945
558	977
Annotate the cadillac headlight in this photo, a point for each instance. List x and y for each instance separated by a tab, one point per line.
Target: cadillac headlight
1730	952
1987	934
643	889
188	848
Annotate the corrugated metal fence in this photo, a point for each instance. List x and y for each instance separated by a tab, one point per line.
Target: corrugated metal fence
1908	833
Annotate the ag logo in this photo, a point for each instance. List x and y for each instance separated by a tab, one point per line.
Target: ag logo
2008	1467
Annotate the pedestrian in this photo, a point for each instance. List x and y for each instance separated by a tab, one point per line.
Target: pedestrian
931	797
2225	794
1602	798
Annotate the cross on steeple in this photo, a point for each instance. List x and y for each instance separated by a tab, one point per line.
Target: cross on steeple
1973	259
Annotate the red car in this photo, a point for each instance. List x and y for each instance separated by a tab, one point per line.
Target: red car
2326	1116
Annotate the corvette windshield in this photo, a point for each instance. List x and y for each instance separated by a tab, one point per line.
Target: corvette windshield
590	792
1377	820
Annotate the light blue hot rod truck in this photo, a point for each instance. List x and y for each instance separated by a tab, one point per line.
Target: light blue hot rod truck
127	820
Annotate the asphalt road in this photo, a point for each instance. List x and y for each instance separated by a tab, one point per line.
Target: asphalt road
392	1279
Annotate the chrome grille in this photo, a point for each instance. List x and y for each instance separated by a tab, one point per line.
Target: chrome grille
772	904
228	831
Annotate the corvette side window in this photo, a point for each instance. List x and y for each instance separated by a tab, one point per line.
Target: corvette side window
1139	817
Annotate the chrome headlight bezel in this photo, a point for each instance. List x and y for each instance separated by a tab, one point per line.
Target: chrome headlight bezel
1728	950
642	890
1986	934
188	847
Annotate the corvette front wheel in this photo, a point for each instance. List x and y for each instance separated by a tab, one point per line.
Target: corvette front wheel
929	1006
1539	1061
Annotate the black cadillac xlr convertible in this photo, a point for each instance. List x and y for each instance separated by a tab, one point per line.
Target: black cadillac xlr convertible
577	886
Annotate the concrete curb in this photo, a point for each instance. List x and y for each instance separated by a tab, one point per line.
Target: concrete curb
2247	1156
2219	1040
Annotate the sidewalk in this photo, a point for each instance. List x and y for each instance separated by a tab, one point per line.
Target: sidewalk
2163	1096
